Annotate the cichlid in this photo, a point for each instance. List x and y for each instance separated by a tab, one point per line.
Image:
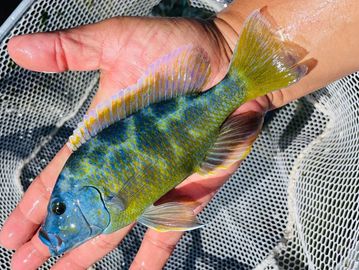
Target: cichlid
148	138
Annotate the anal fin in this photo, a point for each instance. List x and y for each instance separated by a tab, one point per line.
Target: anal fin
234	142
171	216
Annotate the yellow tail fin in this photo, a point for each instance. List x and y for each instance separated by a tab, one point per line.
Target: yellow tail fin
263	60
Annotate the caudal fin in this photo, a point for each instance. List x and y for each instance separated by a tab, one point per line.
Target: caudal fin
263	60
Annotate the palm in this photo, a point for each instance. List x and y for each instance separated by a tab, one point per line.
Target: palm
121	49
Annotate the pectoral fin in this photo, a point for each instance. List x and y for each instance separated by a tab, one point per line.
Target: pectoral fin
118	202
171	216
115	200
234	142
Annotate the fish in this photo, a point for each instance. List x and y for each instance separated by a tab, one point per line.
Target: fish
135	147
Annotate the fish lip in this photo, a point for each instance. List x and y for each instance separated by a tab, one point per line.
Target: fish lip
59	240
53	242
44	237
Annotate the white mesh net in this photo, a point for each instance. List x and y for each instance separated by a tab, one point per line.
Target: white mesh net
293	204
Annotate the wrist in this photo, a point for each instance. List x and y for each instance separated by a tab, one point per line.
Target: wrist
230	20
313	25
228	23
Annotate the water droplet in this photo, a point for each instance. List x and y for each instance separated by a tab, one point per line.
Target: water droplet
43	161
19	114
21	137
31	179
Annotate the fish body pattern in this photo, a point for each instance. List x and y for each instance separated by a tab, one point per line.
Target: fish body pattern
142	143
148	153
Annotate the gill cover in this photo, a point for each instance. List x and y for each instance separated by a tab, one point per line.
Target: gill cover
93	208
85	217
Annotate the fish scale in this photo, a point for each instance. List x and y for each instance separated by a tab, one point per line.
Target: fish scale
155	145
192	114
149	144
149	137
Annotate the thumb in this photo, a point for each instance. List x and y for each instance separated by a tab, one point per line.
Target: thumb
78	49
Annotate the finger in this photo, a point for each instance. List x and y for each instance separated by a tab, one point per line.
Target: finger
76	49
34	253
157	247
87	254
260	104
31	255
155	250
31	210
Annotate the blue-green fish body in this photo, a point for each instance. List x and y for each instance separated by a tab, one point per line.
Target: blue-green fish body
150	137
148	153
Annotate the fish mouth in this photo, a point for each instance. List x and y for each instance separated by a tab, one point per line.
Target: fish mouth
54	242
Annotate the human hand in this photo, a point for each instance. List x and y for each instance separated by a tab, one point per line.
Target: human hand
121	49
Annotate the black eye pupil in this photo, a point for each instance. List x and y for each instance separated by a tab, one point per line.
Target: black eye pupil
58	208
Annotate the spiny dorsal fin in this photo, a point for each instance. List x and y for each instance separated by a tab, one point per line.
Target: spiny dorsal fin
183	72
233	143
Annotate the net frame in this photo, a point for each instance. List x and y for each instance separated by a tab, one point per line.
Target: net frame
265	217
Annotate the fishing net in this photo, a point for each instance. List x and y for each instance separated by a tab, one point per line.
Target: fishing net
293	204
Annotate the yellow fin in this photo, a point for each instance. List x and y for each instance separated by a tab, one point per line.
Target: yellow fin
233	143
183	72
263	60
170	216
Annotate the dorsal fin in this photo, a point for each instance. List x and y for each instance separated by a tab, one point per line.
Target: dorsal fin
183	72
234	142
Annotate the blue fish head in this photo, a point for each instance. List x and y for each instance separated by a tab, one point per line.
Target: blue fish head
72	218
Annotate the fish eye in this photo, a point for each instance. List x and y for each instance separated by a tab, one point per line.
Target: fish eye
58	208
